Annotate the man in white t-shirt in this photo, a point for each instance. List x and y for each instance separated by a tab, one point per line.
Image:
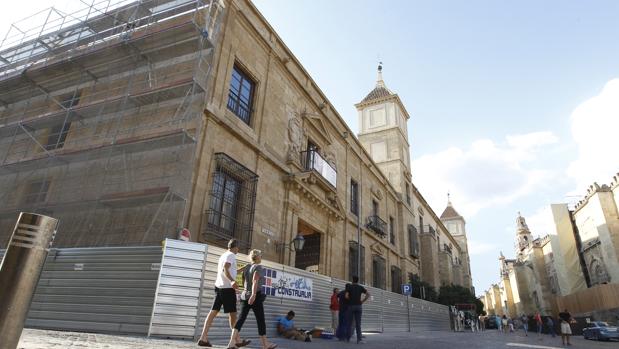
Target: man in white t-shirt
225	293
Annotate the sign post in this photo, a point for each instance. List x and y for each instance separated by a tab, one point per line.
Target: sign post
407	290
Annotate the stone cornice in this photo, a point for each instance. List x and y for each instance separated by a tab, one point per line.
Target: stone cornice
302	183
592	190
393	97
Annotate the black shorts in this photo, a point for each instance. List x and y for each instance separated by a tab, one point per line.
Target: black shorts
225	297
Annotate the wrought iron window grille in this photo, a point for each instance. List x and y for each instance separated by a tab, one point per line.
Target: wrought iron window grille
232	203
376	224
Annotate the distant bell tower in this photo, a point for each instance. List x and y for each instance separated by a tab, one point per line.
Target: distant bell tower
383	133
524	238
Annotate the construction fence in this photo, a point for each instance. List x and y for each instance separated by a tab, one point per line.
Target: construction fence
168	291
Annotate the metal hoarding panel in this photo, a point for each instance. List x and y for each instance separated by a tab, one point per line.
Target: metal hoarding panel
107	289
179	285
395	314
428	316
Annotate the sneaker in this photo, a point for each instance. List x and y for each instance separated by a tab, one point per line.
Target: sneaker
361	342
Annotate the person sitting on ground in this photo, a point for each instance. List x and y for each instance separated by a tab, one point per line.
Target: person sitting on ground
286	329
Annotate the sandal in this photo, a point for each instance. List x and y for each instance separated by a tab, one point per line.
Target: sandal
202	343
243	343
272	346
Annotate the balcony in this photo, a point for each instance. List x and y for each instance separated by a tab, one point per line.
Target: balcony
311	160
376	224
428	229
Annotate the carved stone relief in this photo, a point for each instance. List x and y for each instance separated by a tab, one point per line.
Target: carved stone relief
596	266
377	192
296	137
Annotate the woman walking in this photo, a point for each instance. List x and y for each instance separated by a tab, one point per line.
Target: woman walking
252	298
504	323
538	323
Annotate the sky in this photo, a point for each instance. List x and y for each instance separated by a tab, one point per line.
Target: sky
514	104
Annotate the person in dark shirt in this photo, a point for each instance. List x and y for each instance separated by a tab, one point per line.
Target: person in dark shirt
342	326
566	329
353	296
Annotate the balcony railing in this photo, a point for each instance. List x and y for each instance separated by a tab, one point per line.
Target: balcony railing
311	160
428	229
376	224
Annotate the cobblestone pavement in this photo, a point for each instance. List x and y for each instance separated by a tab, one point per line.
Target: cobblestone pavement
32	339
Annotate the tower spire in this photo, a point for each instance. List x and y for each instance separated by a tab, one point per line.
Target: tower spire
379	78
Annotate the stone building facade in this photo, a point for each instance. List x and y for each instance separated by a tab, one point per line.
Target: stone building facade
315	178
456	225
574	266
269	160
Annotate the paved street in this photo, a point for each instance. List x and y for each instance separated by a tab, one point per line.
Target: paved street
32	339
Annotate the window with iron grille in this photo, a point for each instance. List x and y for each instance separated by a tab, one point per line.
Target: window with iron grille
352	266
354	197
391	230
396	279
413	241
378	272
232	203
36	192
241	94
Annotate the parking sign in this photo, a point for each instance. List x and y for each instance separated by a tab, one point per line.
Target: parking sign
407	289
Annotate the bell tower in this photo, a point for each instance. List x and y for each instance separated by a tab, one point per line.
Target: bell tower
383	133
524	238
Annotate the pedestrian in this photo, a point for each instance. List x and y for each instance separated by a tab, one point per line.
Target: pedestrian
504	323
566	328
335	309
353	295
525	324
497	320
510	324
539	324
551	326
342	327
252	299
225	294
482	323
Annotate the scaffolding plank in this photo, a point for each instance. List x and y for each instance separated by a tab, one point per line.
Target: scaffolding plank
125	19
108	105
95	151
68	70
124	199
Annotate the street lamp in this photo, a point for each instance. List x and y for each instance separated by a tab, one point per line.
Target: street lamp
296	244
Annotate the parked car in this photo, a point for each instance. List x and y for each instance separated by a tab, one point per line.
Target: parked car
491	322
600	330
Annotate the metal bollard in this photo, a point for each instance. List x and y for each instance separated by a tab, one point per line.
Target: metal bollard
20	271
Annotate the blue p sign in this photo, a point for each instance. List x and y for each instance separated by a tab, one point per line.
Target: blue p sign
407	289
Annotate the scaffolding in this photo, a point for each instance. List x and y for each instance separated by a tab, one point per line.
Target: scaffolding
100	110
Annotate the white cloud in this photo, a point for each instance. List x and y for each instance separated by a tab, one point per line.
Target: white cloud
485	174
541	221
595	129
